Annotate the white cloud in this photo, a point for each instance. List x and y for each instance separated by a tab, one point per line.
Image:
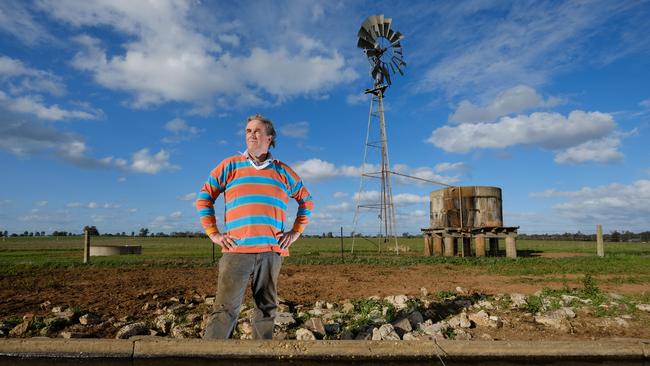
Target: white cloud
121	179
645	103
41	203
16	19
297	130
603	150
154	71
26	79
144	162
111	205
548	130
614	205
445	167
339	207
32	104
340	194
188	197
180	130
92	204
401	199
176	214
316	169
517	99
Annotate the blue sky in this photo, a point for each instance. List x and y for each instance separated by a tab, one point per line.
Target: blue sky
112	113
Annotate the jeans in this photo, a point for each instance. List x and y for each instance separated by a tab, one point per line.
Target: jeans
234	271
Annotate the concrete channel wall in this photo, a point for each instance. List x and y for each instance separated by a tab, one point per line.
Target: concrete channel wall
153	347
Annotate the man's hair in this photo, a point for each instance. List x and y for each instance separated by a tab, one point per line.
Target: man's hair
270	130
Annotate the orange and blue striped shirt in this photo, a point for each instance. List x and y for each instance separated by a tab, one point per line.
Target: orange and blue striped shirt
256	202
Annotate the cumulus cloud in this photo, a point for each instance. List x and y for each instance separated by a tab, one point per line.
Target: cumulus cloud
401	199
614	205
517	99
144	162
180	130
548	130
645	103
354	99
34	105
297	130
603	150
340	194
188	197
26	79
17	20
153	71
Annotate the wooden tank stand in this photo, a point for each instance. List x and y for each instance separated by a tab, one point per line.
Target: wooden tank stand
443	242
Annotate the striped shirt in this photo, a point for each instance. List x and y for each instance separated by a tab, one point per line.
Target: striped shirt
256	203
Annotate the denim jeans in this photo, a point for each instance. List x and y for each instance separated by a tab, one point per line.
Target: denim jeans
235	269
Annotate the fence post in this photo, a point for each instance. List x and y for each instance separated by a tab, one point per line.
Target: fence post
600	246
86	246
341	243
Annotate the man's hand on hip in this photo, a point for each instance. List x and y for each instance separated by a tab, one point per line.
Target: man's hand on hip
225	241
288	238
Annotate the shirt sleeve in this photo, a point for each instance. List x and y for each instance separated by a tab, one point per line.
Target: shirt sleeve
305	202
212	188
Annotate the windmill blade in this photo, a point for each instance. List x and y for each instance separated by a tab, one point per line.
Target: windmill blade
367	25
387	22
363	33
379	27
373	52
392	68
398	50
390	34
398	60
365	44
397	66
373	25
397	36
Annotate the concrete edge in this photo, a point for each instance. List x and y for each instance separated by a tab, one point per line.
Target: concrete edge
153	347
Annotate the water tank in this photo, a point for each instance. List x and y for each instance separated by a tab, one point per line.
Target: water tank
480	207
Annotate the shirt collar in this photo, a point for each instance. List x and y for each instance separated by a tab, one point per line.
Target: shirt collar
260	165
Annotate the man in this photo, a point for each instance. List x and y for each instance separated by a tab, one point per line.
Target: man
256	190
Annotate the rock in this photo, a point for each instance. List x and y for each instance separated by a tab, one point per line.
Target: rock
303	334
193	317
566	312
462	335
131	330
415	318
177	309
454	322
346	335
416	336
364	334
283	319
376	316
464	320
461	291
518	301
182	332
400	302
643	307
147	306
554	321
347	307
402	326
319	304
316	312
20	329
316	326
433	329
332	328
45	305
615	296
89	319
424	292
164	323
209	300
463	303
385	333
483	319
485	305
57	309
245	327
69	335
329	306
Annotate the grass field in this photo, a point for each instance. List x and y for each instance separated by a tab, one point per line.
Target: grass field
624	262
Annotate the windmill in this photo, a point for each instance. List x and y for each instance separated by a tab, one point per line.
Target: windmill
382	46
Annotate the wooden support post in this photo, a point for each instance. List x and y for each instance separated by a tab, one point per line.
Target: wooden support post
494	246
479	240
511	247
450	246
86	246
428	247
437	246
467	247
600	246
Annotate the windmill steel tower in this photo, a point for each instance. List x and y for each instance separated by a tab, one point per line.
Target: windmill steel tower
382	46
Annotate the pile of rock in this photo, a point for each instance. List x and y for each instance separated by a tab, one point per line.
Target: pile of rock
451	315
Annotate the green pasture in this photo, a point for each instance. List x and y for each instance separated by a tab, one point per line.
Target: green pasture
623	262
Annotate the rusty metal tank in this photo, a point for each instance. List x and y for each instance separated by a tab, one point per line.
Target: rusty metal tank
480	207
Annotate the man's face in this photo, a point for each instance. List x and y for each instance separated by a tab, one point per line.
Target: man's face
257	141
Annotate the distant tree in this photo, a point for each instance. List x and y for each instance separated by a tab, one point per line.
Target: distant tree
25	233
38	233
13	235
123	233
92	230
330	235
144	231
615	236
31	233
132	233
